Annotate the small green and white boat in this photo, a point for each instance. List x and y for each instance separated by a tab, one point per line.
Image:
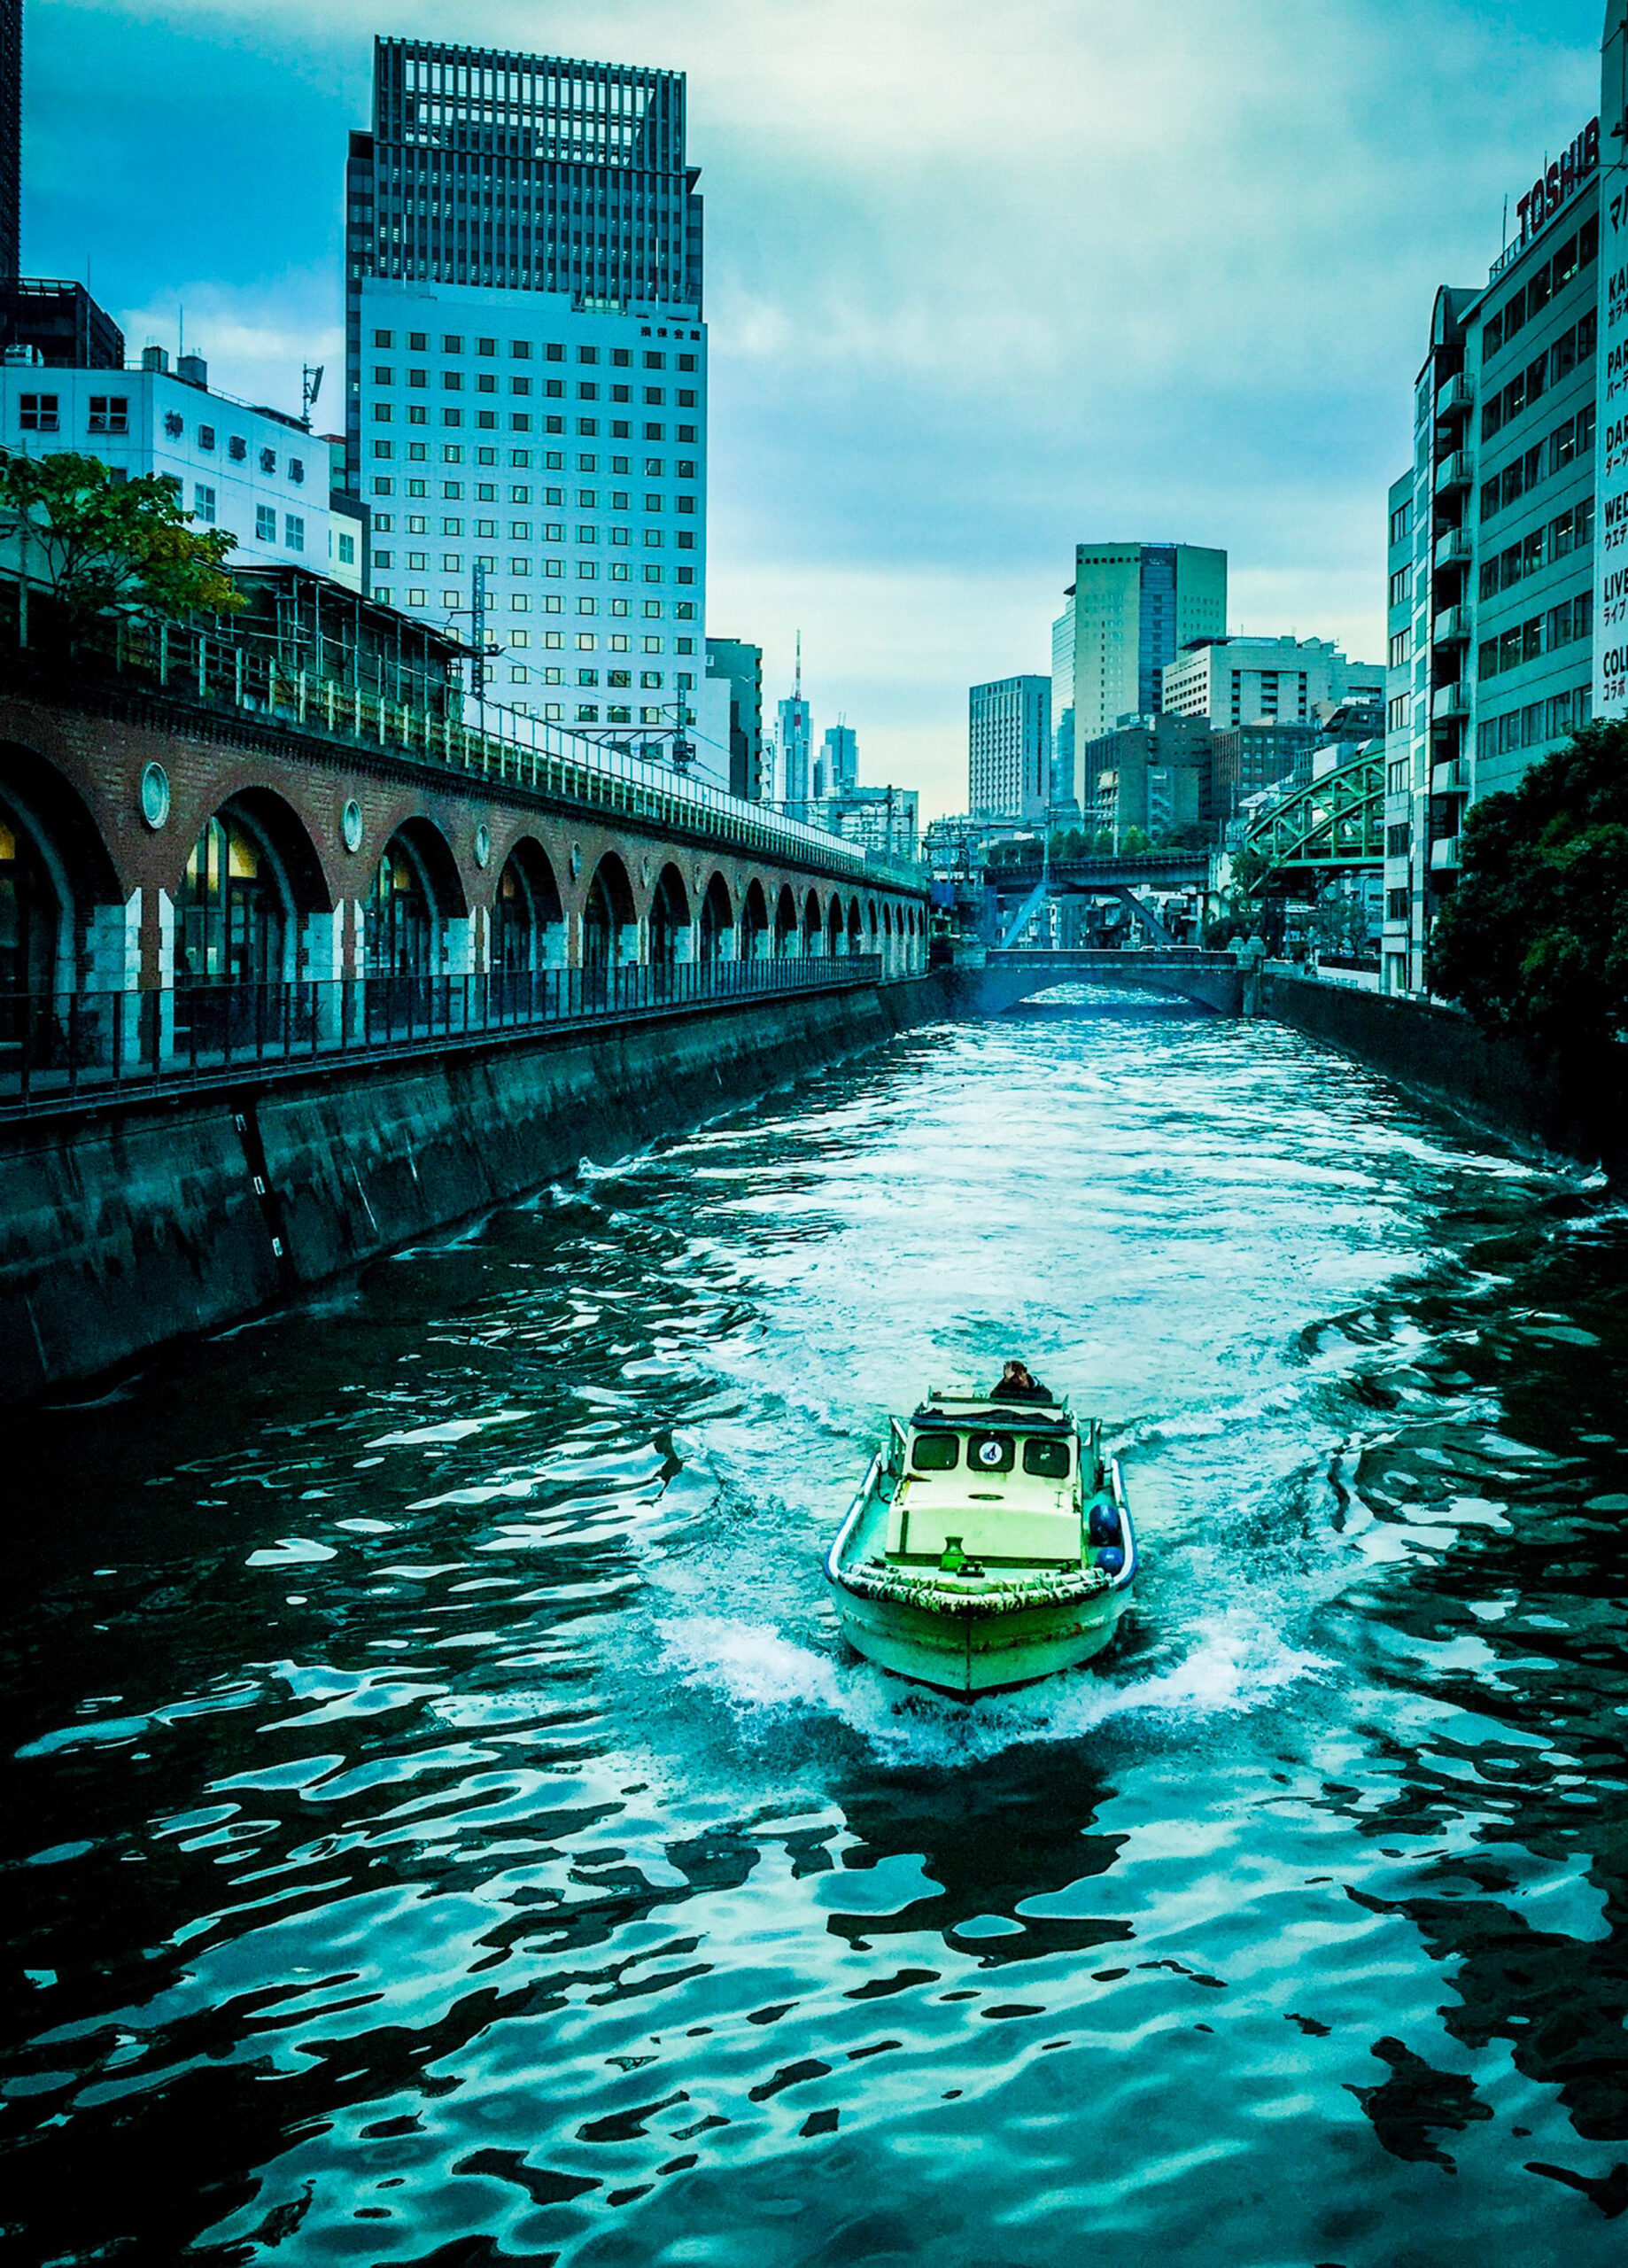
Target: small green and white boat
991	1544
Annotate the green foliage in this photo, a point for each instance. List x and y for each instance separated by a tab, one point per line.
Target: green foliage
114	550
1250	869
1534	940
1134	839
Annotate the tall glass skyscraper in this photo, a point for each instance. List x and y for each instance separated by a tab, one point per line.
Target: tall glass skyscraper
1134	606
10	138
525	372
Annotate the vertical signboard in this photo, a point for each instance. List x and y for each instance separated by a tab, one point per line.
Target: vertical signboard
1611	429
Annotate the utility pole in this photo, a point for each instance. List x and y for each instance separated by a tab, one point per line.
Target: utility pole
477	631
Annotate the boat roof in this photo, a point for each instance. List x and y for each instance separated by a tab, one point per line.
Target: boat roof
963	1409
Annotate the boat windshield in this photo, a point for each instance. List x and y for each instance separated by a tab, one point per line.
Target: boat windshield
935	1452
1049	1459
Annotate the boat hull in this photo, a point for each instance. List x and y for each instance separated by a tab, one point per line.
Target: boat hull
966	1654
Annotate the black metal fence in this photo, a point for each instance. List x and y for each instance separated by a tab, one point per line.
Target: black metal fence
59	1047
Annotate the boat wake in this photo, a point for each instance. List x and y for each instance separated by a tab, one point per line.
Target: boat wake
772	1684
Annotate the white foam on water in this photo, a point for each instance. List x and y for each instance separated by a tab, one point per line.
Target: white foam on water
770	1682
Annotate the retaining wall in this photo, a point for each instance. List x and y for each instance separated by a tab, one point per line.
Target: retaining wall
145	1222
1440	1053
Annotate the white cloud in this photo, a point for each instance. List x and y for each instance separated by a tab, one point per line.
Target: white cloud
985	281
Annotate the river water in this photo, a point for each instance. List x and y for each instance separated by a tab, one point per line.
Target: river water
443	1826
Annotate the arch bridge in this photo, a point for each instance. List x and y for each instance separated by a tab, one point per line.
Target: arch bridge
206	867
1334	825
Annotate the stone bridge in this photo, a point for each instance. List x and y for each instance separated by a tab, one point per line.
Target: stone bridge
1210	981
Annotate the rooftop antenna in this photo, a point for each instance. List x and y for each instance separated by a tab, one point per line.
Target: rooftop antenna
797	694
181	331
310	386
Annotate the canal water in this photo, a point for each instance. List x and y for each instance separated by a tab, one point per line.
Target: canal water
443	1826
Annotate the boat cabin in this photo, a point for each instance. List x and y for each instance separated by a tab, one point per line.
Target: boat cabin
1002	1481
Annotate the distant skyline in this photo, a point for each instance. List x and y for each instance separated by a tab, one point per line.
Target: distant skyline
979	284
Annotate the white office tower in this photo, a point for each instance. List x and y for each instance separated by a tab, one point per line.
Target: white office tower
526	379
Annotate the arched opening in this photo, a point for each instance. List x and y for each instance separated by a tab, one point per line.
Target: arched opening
528	925
717	922
672	933
856	927
754	924
785	924
413	896
33	911
252	882
62	915
811	932
836	934
610	924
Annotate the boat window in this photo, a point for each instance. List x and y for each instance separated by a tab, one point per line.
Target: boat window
1050	1459
934	1452
990	1452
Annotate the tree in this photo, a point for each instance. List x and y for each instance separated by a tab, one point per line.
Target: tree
111	550
1534	940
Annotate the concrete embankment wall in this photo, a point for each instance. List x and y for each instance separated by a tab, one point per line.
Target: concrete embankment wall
142	1224
1438	1053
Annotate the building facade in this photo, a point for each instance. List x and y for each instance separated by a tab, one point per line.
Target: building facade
261	476
796	757
741	668
526	375
1245	760
1152	773
883	820
10	139
1492	558
1240	681
1064	788
1009	748
1133	607
840	758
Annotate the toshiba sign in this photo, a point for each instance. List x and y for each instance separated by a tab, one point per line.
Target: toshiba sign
1559	181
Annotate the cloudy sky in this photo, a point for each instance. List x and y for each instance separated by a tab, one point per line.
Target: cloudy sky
983	280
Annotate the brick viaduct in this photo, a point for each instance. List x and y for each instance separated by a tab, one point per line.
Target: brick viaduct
324	808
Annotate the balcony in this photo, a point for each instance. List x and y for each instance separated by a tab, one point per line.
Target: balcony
1453	472
1457	396
1445	855
1449	700
1452	550
1449	778
1452	627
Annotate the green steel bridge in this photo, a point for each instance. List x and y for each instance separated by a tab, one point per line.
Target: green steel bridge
1334	825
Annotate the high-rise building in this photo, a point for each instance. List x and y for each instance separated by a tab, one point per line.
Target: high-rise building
10	139
742	667
1266	680
796	737
1009	748
839	751
525	367
1496	651
1152	772
1063	790
1134	606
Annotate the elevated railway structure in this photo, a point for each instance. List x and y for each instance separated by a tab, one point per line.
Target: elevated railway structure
214	864
1016	897
1334	825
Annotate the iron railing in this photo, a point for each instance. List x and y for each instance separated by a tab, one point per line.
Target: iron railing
487	741
62	1048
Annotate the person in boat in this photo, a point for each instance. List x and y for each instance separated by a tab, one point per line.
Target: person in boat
1018	1384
